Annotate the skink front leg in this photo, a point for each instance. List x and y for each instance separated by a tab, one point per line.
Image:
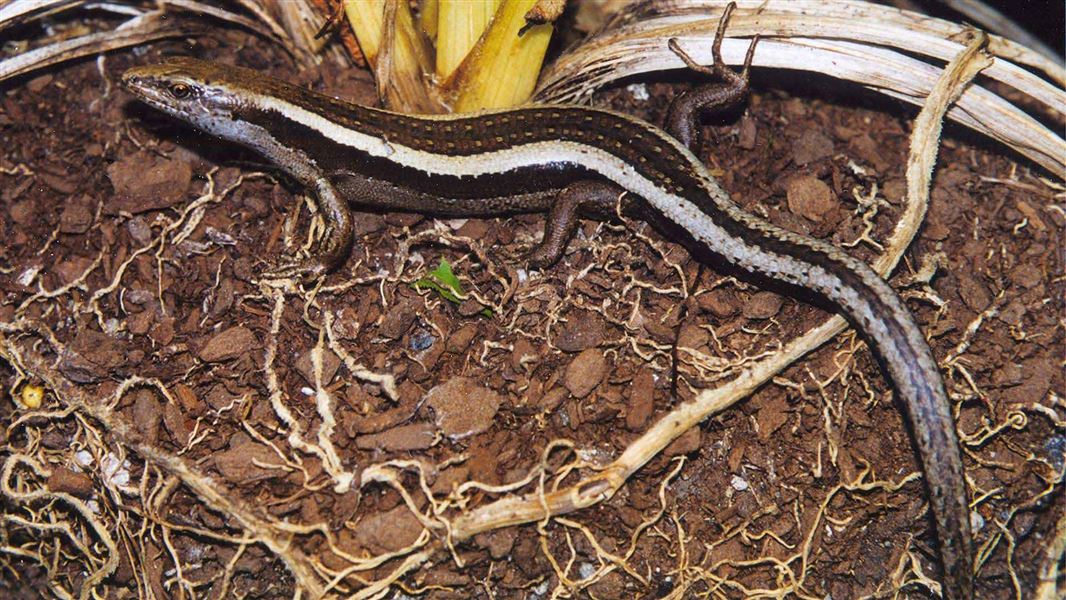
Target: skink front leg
336	242
338	217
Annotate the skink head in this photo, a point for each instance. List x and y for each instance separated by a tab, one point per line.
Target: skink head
205	94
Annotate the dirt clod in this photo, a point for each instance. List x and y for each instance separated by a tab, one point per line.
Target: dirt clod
388	531
499	543
144	181
720	303
330	364
810	197
399	319
460	339
147	415
228	344
585	372
71	482
174	421
91	357
463	408
24	212
247	461
75	218
551	399
812	145
763	305
417	436
641	400
582	330
688	443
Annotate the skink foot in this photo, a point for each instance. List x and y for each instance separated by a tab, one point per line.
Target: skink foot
682	119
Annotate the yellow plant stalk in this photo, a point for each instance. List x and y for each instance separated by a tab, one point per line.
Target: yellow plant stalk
503	67
366	18
428	14
460	24
397	51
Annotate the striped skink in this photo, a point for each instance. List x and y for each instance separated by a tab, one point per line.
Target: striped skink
563	160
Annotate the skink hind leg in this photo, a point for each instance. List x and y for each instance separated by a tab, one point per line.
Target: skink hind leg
592	198
682	118
598	199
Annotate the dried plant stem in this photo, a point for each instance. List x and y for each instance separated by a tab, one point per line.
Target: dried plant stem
138	30
985	15
1048	588
459	26
143	26
398	52
502	67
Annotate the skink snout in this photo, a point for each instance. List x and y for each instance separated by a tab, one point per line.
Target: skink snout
132	80
140	77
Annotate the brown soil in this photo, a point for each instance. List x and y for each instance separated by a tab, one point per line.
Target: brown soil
586	351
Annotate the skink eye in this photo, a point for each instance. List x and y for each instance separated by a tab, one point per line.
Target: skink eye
179	90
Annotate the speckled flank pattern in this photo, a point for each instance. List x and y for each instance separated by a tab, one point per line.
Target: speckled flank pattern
504	162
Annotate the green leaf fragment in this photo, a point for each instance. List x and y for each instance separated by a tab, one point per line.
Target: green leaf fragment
443	281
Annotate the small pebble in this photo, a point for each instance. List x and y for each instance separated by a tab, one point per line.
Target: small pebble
639	91
421	340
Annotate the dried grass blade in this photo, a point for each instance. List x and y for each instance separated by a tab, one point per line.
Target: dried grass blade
300	23
398	52
987	16
428	16
17	12
266	29
855	20
147	27
366	18
144	27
